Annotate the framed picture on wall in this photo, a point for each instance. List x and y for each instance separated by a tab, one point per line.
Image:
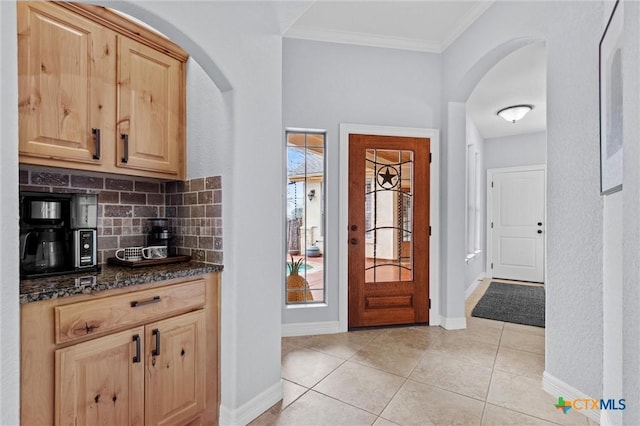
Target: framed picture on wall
611	116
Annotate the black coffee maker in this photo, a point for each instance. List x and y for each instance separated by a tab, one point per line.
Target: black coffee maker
43	240
58	233
159	234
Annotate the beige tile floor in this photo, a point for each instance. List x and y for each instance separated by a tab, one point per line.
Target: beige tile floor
488	374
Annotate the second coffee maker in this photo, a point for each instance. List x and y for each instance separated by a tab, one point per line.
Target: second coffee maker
159	234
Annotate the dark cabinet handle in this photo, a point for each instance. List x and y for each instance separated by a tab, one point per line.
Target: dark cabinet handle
96	134
539	231
155	332
136	358
354	228
136	304
353	241
125	138
539	223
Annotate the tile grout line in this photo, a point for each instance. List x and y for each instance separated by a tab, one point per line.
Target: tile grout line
406	379
515	374
493	369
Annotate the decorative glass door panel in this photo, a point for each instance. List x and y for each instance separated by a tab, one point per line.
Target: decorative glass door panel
388	230
389	195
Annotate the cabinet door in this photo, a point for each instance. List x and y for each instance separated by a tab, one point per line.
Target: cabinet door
101	382
175	369
66	79
150	106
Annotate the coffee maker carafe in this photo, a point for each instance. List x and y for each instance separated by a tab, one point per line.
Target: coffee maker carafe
43	250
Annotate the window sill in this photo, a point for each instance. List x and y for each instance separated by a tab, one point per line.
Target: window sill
307	305
471	256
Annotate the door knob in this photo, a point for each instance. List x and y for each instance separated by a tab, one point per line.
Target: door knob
353	241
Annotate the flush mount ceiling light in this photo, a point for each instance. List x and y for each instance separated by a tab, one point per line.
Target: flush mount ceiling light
515	112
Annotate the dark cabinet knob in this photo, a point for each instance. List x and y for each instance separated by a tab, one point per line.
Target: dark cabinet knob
353	241
354	228
539	231
539	223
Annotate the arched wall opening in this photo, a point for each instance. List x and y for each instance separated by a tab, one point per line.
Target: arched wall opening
454	190
194	49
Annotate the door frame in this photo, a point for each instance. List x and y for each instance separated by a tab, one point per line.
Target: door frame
434	243
489	247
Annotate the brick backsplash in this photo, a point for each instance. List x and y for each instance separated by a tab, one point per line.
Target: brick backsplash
194	209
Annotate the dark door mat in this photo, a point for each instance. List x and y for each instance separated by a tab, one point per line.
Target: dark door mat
516	303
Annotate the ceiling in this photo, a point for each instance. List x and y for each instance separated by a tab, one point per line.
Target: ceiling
431	26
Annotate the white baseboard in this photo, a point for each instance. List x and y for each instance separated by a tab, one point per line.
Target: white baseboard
472	287
557	387
311	328
454	323
248	411
434	319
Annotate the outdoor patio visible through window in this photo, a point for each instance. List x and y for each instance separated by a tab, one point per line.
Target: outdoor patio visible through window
305	217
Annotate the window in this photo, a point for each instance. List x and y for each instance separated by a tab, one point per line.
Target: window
473	201
305	255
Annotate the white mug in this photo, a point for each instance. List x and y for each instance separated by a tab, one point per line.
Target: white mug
154	252
130	253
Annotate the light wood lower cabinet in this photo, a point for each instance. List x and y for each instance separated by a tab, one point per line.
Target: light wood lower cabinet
175	380
101	382
159	367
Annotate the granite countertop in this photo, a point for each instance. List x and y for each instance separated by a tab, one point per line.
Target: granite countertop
109	277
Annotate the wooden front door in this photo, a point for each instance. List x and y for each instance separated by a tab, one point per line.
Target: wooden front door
388	230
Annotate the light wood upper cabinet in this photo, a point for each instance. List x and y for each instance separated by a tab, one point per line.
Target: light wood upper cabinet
88	76
65	64
150	98
175	379
101	382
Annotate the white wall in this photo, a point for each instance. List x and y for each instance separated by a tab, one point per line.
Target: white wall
9	313
612	375
522	150
238	44
574	204
631	225
454	242
326	84
209	124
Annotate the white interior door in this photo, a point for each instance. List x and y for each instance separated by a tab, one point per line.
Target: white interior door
517	214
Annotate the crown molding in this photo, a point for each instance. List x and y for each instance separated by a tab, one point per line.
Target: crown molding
466	22
307	32
362	39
